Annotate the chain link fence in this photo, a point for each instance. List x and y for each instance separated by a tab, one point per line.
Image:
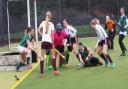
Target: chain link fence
79	12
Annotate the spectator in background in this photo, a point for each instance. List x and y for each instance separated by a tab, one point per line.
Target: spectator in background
110	25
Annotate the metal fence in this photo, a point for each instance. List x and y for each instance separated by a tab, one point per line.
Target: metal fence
79	12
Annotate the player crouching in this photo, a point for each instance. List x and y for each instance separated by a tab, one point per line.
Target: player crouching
25	48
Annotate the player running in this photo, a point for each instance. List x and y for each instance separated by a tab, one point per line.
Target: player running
102	43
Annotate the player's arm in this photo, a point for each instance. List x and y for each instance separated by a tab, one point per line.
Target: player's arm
96	46
80	57
52	35
32	48
99	33
33	43
40	29
29	45
75	32
126	23
90	54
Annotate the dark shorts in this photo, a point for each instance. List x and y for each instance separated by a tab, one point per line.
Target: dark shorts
34	57
70	48
70	42
73	40
94	61
46	45
106	41
60	48
111	35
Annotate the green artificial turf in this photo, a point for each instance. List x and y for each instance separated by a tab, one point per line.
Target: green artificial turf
87	78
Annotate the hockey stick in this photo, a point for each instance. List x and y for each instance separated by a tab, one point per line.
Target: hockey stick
117	22
59	53
114	19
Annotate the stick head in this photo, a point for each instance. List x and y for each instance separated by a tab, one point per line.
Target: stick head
16	77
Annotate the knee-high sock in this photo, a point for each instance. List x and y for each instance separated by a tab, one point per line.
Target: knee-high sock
112	42
49	60
19	65
104	58
28	60
54	64
66	57
41	67
109	45
61	60
109	58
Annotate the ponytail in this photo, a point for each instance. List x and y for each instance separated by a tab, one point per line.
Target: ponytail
47	24
48	16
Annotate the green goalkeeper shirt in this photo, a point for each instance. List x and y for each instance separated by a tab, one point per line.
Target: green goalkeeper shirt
123	22
23	42
84	54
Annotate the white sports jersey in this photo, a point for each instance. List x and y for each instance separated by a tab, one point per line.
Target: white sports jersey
123	33
47	37
102	35
71	30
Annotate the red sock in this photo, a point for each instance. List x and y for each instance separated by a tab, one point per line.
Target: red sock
61	61
41	67
54	64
